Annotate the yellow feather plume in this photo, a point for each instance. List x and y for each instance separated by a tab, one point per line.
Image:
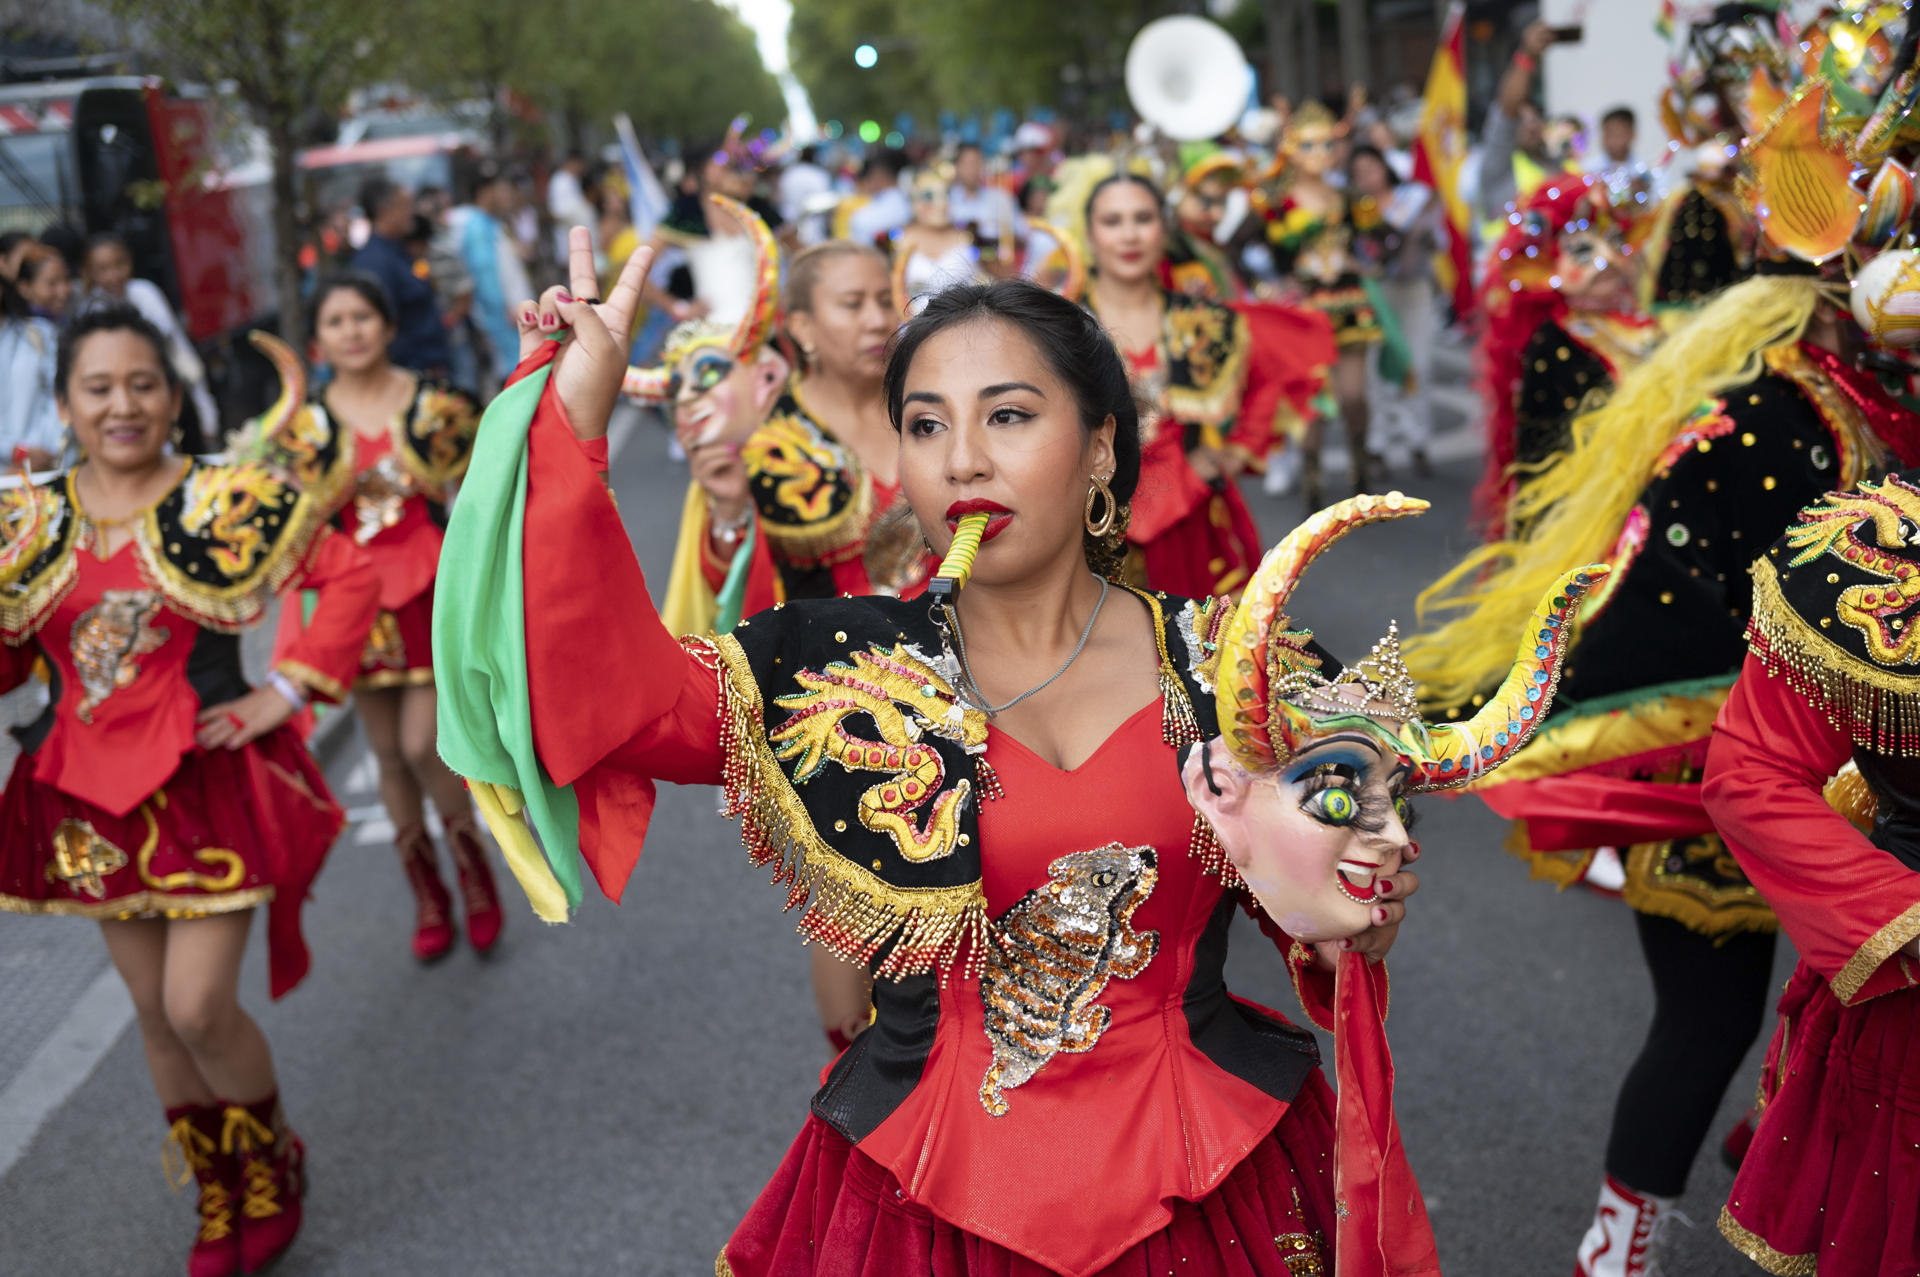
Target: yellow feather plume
1573	509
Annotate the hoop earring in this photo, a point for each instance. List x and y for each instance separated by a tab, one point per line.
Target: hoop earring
1098	528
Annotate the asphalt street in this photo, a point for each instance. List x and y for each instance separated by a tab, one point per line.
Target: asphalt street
608	1096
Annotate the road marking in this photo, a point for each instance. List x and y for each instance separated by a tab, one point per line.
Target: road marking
59	1065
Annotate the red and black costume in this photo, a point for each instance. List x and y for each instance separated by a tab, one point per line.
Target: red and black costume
827	525
388	492
1832	1182
1018	990
1193	537
114	811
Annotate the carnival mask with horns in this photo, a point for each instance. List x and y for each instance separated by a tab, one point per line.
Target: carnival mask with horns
1311	804
702	353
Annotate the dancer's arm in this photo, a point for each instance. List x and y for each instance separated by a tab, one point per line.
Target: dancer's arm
1851	909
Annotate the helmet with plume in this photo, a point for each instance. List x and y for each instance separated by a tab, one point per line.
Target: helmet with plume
743	339
1273	698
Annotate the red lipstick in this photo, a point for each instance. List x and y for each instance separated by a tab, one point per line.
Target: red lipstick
998	516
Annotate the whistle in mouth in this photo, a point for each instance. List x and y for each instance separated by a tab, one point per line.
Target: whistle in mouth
957	568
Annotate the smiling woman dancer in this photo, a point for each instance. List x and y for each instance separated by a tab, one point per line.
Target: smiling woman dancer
160	793
982	800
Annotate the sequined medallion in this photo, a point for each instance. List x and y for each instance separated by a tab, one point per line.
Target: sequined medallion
379	498
1052	954
108	640
83	859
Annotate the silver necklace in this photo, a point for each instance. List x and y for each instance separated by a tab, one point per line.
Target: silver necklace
970	690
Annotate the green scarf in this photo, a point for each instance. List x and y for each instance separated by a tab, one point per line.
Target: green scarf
480	661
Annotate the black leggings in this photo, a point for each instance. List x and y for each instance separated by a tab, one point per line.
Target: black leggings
1709	1001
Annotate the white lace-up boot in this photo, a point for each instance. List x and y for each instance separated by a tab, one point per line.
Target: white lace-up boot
1624	1240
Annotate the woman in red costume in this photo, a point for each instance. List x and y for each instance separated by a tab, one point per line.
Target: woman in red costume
1562	323
817	479
1292	347
779	503
1188	357
383	446
159	793
981	799
1832	1182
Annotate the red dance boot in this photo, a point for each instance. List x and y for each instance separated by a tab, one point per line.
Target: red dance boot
272	1179
193	1138
433	909
1625	1238
476	882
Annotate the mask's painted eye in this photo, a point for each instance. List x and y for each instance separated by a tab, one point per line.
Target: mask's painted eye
709	370
1336	806
1403	809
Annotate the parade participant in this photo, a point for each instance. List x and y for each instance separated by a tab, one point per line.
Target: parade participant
1405	224
1292	347
30	429
720	384
808	507
931	252
1562	324
1028	810
159	793
1310	229
1736	421
382	446
1830	1184
1191	528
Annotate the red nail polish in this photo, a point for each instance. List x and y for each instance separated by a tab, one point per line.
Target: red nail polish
1346	944
1383	888
1380	915
564	295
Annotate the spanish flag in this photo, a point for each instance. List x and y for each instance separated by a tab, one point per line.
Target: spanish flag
1438	153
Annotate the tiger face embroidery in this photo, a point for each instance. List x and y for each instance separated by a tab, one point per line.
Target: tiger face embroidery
108	641
1052	954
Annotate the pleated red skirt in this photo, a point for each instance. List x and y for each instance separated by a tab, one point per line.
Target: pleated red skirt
1832	1182
230	830
832	1211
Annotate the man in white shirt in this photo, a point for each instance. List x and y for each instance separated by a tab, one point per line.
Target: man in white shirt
567	202
985	209
802	182
888	209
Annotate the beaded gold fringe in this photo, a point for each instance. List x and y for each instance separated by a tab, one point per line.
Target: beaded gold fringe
1878	708
853	912
1205	847
986	781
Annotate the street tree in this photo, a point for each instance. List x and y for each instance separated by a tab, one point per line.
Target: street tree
283	59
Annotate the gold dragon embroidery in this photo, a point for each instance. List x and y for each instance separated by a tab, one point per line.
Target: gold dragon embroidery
1884	614
108	640
878	683
800	462
443	425
1053	953
221	503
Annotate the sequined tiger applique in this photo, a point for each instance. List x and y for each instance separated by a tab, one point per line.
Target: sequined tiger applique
108	640
1052	954
903	698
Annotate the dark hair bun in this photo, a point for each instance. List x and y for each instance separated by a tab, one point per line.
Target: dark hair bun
117	318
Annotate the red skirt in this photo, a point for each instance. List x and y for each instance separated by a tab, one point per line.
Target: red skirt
229	830
832	1211
1212	550
1833	1177
399	651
